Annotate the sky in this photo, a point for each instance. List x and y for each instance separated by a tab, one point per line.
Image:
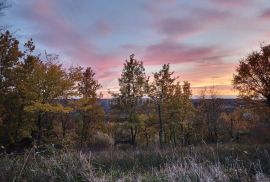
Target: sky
203	40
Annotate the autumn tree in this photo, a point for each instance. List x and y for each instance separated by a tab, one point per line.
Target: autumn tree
74	75
132	88
10	54
88	105
160	91
147	121
49	84
35	90
179	113
252	77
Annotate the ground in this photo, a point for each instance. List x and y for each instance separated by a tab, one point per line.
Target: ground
230	162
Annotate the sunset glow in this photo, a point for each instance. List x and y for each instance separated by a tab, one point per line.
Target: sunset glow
203	40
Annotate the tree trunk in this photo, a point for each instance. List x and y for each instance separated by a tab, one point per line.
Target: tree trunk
133	135
83	131
268	101
231	130
39	126
160	126
174	138
64	131
147	140
64	124
19	123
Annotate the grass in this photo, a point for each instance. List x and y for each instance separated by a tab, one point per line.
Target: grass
200	163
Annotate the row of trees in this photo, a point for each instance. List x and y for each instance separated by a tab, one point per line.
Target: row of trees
167	108
170	114
41	100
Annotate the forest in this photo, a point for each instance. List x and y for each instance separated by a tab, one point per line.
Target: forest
42	102
57	125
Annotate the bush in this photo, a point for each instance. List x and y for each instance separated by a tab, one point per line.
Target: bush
100	141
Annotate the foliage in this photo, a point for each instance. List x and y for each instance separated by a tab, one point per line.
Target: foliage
160	91
87	105
252	77
42	102
132	83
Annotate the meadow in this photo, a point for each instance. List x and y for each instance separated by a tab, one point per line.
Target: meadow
230	162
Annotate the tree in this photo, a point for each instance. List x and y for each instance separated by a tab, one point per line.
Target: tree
74	75
132	88
210	110
252	77
87	105
160	91
48	83
10	54
147	119
179	113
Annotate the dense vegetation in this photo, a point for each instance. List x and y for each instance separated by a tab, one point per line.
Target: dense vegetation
201	163
42	102
51	118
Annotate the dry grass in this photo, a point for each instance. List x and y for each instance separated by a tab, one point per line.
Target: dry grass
202	163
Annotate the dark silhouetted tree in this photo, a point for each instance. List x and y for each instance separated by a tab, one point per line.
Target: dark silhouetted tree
252	77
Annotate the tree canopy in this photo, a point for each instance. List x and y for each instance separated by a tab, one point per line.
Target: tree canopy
252	77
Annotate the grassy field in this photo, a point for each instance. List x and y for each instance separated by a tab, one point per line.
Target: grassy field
200	163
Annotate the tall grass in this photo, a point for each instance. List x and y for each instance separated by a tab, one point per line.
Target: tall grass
203	163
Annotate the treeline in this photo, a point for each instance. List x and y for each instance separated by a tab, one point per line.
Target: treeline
42	102
36	95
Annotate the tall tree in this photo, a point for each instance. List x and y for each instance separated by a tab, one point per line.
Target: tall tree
132	84
160	91
88	105
252	77
49	83
179	112
10	54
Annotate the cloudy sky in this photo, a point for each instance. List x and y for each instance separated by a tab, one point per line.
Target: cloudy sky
203	40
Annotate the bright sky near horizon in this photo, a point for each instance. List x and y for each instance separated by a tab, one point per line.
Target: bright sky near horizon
203	40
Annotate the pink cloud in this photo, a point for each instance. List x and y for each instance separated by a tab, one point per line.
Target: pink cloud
195	22
177	53
231	3
154	8
103	28
176	26
57	32
266	14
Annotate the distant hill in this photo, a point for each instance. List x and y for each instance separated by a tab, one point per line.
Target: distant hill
229	105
